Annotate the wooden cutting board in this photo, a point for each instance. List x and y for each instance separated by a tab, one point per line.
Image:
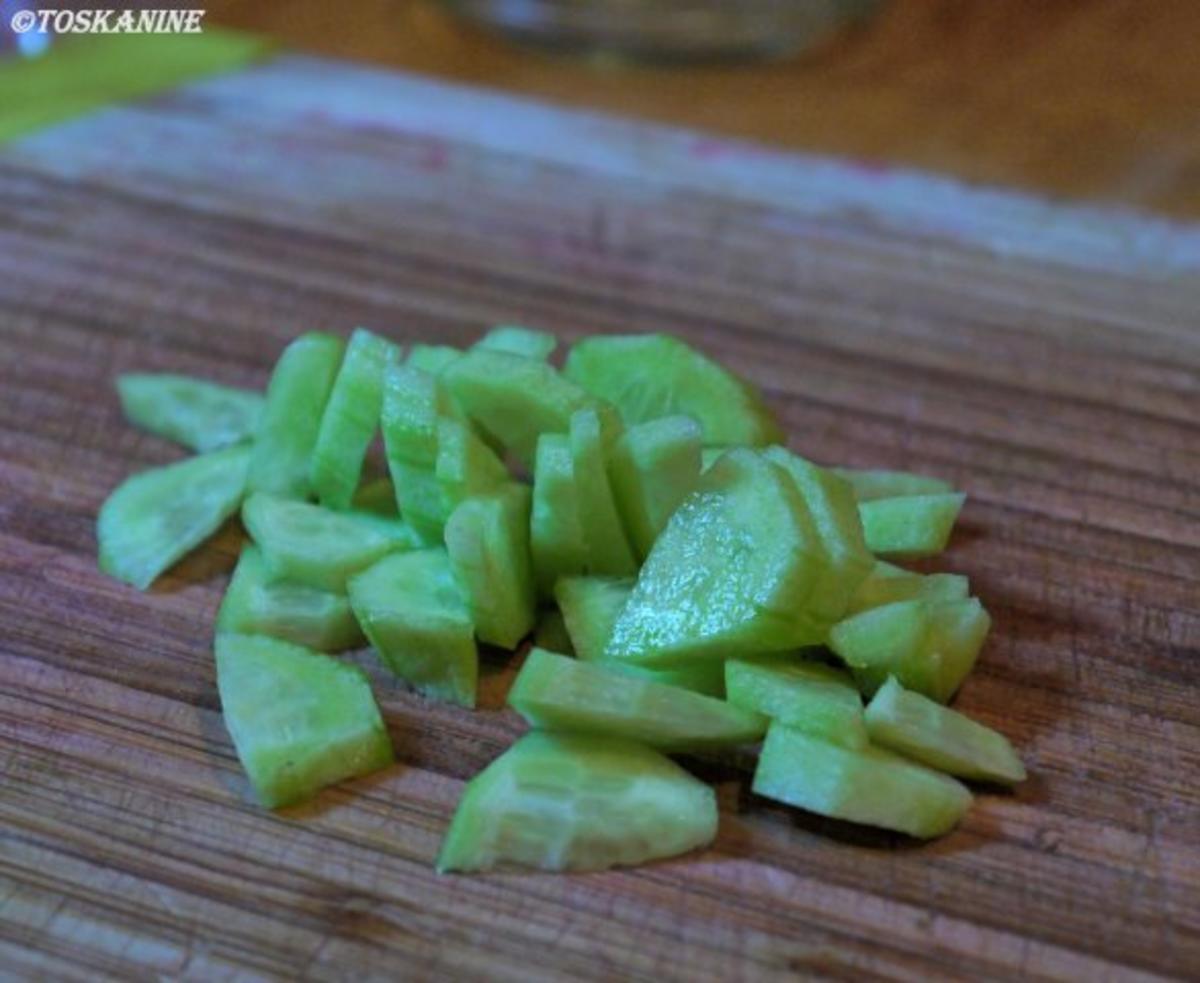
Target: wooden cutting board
1045	360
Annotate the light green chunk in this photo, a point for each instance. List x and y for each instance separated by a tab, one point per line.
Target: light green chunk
869	485
204	416
809	696
516	340
911	526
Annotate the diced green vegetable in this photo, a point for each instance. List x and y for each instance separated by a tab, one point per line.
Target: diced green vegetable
434	359
291	420
377	497
413	611
939	737
516	340
869	485
558	802
914	525
556	534
299	720
308	616
551	633
865	785
892	638
811	697
351	418
558	693
709	456
608	549
201	415
887	584
648	376
466	466
152	519
959	629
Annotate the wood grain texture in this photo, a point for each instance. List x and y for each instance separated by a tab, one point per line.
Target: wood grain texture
1045	361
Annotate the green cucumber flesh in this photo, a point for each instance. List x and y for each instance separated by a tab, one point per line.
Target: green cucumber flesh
434	359
204	416
551	633
559	802
609	552
910	526
888	584
299	720
709	456
959	629
869	485
377	497
809	696
892	638
516	340
465	466
555	534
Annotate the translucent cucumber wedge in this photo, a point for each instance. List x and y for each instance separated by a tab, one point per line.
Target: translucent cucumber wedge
728	576
487	540
809	696
653	467
551	633
893	638
434	359
351	418
316	546
256	605
465	466
869	485
296	398
959	629
201	415
152	519
608	549
944	739
865	785
558	802
414	613
515	340
513	399
558	693
888	584
556	534
649	376
912	526
299	720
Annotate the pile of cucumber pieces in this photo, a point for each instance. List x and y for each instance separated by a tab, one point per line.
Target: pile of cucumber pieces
688	582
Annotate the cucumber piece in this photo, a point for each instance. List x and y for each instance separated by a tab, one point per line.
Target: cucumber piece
513	400
296	398
569	802
590	607
152	519
911	526
556	534
551	633
256	605
921	729
834	511
415	615
515	340
888	584
709	456
865	785
959	629
377	497
558	693
312	545
434	359
653	467
351	418
201	415
653	375
870	485
299	720
608	549
811	697
465	466
729	574
892	638
487	540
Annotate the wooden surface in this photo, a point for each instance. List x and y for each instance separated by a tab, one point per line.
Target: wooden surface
1084	99
1045	361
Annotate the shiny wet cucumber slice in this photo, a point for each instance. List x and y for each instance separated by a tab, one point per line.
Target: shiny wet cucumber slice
465	465
809	696
299	720
864	785
351	418
204	416
888	584
910	526
558	802
296	398
557	693
556	533
487	541
312	545
608	549
152	519
516	340
654	375
869	484
415	615
925	731
254	604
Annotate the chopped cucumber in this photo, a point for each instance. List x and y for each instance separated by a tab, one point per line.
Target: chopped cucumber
959	630
308	616
516	340
912	525
864	785
648	376
870	485
152	519
316	546
377	497
556	534
434	359
892	638
296	398
709	456
299	720
729	574
415	615
466	466
201	415
811	697
887	584
558	693
608	549
551	633
414	404
487	539
654	465
351	418
939	737
559	802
